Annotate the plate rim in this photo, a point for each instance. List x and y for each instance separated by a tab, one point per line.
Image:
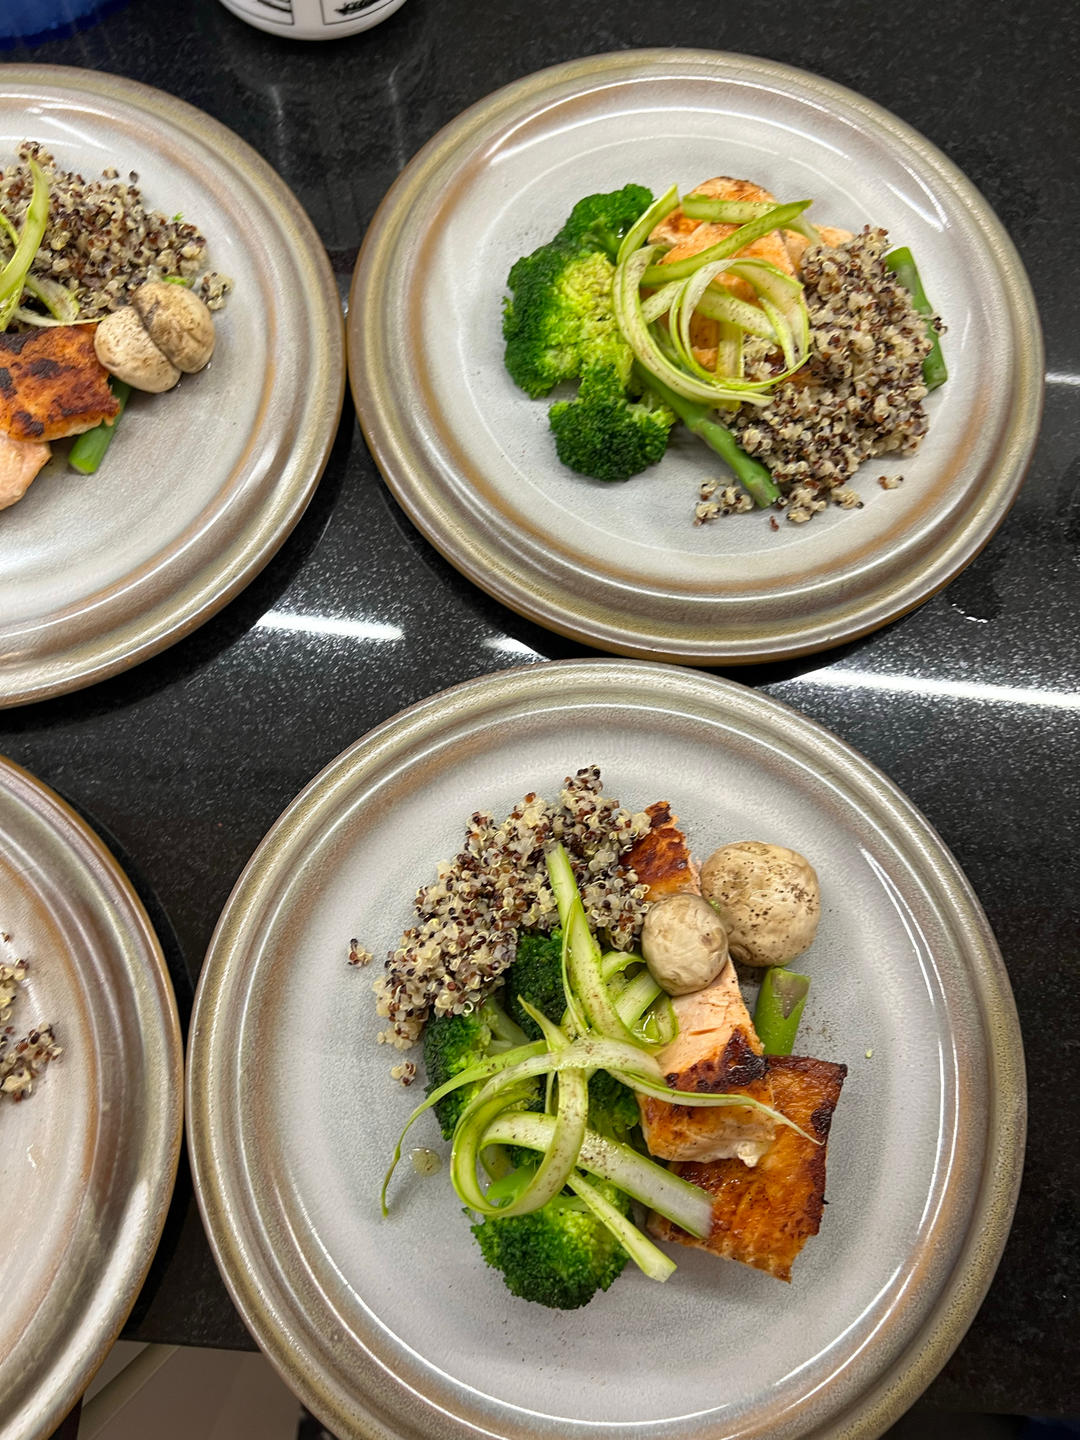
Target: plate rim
72	831
888	1395
463	542
208	590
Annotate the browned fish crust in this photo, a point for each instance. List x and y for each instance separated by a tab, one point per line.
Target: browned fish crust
765	1215
52	384
661	857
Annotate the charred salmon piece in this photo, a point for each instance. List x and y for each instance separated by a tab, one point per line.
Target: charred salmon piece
661	857
717	1051
798	244
20	461
52	384
763	1217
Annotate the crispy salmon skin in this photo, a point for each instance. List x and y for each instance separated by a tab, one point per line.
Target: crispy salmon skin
661	857
763	1217
52	384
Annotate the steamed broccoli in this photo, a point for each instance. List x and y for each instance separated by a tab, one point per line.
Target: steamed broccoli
559	324
559	1255
559	318
535	975
613	1109
454	1042
605	434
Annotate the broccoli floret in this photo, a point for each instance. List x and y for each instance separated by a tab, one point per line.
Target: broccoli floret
454	1042
559	324
536	976
613	1109
601	221
559	1255
558	320
559	316
605	434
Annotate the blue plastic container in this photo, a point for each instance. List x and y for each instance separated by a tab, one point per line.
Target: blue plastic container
31	20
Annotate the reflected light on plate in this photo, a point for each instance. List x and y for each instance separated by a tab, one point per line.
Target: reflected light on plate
506	645
331	625
951	689
1061	377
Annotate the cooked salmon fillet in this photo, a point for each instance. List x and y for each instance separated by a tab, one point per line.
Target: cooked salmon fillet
52	384
20	461
689	237
716	1047
661	857
716	1050
763	1217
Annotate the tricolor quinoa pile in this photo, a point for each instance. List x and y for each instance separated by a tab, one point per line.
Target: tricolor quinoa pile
860	394
468	920
21	1059
102	242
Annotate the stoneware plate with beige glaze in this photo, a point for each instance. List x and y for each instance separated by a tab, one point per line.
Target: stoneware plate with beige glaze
88	1160
200	485
394	1327
621	567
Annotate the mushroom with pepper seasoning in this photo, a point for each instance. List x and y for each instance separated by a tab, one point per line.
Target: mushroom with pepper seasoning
767	898
164	332
684	943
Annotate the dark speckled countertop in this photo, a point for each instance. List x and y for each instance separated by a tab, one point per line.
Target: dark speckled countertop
971	704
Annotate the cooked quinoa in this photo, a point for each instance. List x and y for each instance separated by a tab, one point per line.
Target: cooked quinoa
101	242
859	395
469	919
21	1060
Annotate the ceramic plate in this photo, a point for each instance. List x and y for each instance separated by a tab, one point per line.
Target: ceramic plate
395	1327
201	485
87	1162
621	567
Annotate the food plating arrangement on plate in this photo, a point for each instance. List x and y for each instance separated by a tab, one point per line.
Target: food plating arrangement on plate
98	296
816	346
644	401
524	1006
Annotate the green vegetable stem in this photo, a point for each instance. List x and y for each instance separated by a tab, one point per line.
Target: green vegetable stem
902	264
779	1009
13	275
89	449
750	473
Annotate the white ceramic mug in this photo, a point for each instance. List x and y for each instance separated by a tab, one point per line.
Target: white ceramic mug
313	19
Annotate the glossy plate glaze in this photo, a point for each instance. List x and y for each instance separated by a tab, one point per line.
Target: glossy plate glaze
395	1328
201	485
87	1162
621	567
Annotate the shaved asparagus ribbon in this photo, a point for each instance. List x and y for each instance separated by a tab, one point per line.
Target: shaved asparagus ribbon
606	1027
689	287
13	276
737	212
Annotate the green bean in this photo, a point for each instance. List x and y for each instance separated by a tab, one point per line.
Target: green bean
902	264
750	473
779	1009
89	449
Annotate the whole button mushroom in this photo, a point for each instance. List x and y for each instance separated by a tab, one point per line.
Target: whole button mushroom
165	330
684	943
767	898
126	350
177	322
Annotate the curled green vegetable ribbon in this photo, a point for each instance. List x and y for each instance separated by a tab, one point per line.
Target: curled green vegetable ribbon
13	275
